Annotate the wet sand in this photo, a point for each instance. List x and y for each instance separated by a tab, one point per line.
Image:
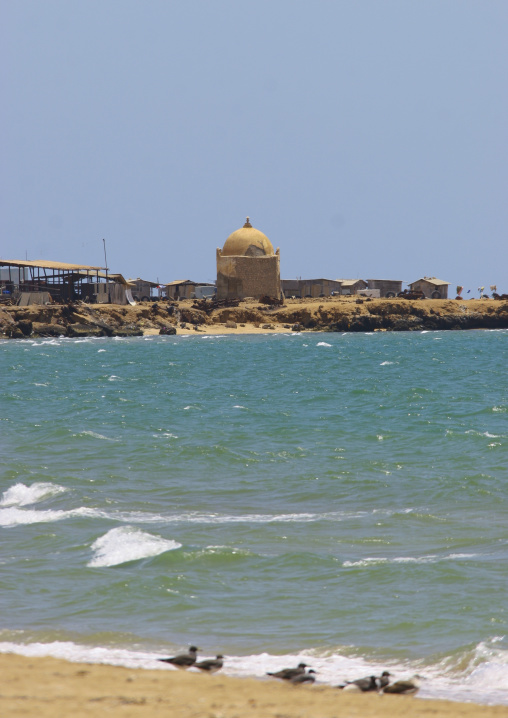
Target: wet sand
52	688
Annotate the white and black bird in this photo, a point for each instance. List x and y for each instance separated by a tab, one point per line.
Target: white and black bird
403	688
362	685
182	660
211	665
308	677
286	674
383	680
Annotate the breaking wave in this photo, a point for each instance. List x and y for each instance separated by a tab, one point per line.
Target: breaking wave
127	543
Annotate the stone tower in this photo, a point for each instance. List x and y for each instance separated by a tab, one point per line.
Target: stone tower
247	266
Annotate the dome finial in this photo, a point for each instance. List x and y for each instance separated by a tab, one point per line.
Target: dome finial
247	223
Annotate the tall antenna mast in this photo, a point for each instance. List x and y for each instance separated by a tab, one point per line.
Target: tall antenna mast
105	258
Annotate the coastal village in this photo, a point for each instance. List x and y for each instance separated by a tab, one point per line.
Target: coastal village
50	298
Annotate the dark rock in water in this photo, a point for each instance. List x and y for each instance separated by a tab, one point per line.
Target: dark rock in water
108	330
40	329
85	330
14	332
167	330
127	332
26	327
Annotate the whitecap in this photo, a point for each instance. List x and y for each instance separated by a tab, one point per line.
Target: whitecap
239	406
386	363
100	350
95	435
381	560
127	543
323	344
14	516
22	495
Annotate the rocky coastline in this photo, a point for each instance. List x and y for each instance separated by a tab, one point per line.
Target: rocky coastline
326	314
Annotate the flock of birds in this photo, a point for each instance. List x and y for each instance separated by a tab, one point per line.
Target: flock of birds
299	675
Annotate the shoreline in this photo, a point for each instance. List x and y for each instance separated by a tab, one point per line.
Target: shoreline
325	314
49	687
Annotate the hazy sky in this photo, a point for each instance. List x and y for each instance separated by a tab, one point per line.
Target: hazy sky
365	139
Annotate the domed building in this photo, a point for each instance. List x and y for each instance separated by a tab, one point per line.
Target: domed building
248	266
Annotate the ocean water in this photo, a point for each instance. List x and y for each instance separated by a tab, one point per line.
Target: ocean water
338	498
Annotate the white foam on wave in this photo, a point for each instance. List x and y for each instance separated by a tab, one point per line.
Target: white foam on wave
487	434
14	516
382	560
48	342
386	363
22	495
127	543
95	435
216	518
323	344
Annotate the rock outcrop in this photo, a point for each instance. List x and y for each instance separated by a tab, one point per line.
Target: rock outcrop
333	314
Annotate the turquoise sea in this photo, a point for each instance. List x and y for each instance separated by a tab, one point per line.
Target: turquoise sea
338	498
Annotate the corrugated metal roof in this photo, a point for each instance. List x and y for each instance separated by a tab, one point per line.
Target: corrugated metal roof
45	264
431	280
145	281
350	282
320	279
119	278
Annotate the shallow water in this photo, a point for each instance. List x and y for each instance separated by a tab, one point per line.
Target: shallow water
340	497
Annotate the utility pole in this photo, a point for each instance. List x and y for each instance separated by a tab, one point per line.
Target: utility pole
105	258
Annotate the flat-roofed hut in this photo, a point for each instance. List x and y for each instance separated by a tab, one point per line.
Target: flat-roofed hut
310	287
387	287
351	286
432	288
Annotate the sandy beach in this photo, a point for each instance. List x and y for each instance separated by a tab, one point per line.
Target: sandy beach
51	688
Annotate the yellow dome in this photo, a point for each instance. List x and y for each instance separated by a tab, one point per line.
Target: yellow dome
247	241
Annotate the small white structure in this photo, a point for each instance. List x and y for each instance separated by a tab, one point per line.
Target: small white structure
351	286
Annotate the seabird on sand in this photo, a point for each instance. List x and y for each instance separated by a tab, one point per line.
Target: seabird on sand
308	677
404	688
361	684
384	679
183	660
211	665
287	673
